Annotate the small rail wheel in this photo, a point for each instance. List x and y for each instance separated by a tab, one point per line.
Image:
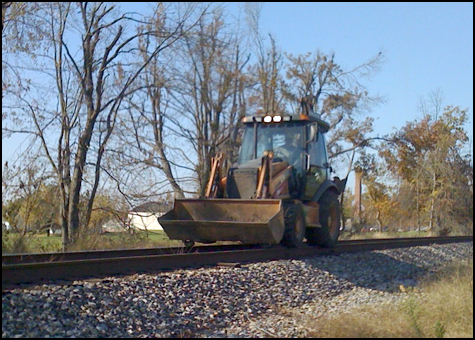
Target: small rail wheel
188	243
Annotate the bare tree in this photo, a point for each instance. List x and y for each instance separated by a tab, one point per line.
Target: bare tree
5	6
145	135
208	91
268	69
20	34
338	95
93	72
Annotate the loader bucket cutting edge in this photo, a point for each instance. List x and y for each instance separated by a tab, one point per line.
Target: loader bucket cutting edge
211	220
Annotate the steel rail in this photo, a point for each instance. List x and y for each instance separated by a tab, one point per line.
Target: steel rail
113	253
25	258
132	261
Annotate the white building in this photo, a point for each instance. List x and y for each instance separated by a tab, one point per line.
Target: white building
145	216
6	226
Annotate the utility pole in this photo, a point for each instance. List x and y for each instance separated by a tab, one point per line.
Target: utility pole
358	175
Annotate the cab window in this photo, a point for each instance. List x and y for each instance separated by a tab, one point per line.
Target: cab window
318	152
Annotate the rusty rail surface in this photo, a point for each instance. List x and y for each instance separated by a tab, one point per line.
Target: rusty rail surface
114	253
51	267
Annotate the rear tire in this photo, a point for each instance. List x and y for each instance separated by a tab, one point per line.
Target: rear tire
294	226
327	235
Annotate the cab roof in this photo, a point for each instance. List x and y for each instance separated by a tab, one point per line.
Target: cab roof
262	119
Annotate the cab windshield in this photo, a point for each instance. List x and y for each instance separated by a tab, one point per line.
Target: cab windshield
265	137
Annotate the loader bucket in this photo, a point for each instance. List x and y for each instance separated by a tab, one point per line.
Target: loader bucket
211	220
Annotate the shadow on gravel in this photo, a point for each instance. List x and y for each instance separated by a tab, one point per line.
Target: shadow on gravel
385	270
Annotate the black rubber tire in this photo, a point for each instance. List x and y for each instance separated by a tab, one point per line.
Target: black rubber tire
294	226
327	235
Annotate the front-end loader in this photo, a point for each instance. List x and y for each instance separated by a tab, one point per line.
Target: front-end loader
279	191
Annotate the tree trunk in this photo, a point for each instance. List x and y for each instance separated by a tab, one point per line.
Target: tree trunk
76	182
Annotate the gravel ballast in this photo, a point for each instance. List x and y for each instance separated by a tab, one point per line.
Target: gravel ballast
252	300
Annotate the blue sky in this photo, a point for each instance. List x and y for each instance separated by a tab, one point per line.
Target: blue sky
427	46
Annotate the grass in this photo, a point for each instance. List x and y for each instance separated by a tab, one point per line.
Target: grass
442	306
13	243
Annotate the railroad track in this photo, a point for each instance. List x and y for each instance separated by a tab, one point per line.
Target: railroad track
54	267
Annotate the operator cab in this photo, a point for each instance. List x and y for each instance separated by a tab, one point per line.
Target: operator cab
298	133
295	139
285	139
